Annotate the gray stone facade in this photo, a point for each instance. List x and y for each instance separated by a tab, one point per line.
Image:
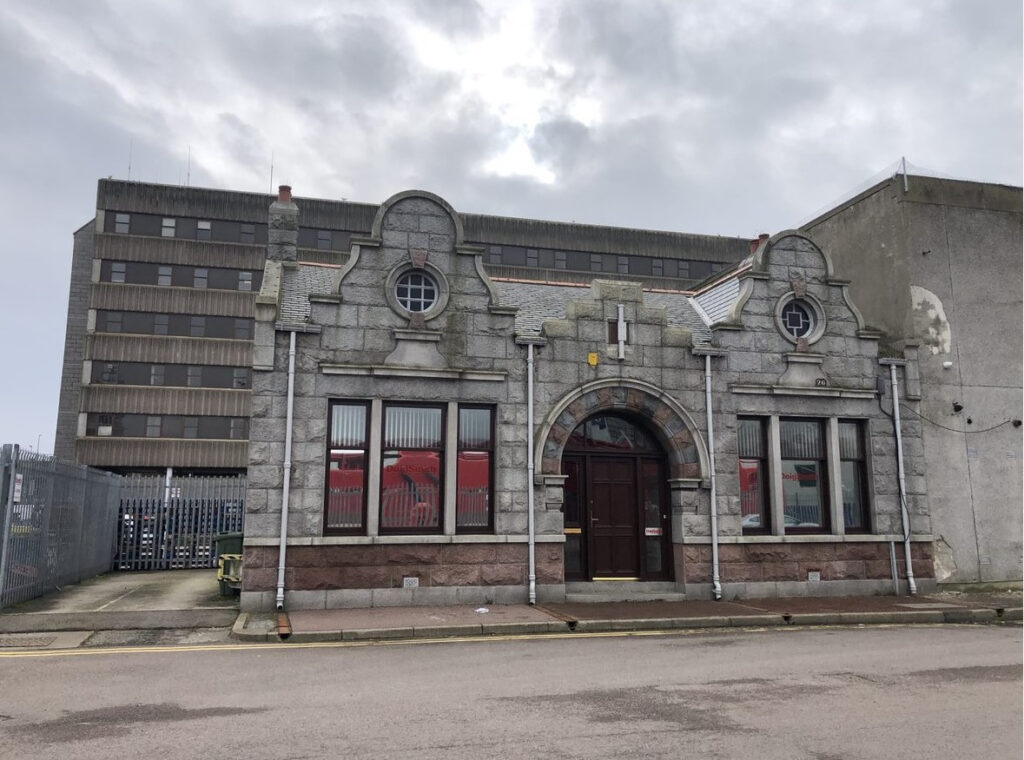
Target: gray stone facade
355	342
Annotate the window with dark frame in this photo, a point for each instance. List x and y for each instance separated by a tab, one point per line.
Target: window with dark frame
194	377
347	467
122	223
203	230
245	280
191	427
163	276
475	465
412	469
161	324
153	427
853	476
247	233
323	240
804	471
200	277
752	451
156	374
114	321
613	332
167	227
197	327
117	271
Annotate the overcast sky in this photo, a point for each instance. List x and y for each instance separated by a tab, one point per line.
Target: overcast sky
729	118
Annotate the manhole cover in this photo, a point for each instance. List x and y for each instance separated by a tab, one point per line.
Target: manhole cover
26	641
930	606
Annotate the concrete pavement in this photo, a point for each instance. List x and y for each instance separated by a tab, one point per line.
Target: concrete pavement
380	623
186	604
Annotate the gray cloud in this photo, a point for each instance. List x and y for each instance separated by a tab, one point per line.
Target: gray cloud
732	118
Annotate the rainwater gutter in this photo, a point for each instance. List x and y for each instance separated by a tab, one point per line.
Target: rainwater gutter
286	487
911	585
716	581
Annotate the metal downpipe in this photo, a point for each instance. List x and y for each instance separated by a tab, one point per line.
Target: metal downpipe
532	541
716	581
911	585
286	487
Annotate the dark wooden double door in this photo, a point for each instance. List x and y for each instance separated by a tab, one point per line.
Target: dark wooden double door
616	514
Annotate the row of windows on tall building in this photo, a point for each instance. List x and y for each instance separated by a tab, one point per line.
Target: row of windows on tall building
218	230
143	273
166	426
170	375
649	266
192	325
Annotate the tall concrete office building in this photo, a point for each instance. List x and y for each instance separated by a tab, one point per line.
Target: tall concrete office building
158	348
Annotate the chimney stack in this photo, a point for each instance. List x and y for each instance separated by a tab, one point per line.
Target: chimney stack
755	244
283	227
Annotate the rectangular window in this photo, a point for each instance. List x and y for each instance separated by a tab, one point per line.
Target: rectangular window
474	470
595	262
559	259
243	329
167	227
191	427
411	489
236	429
853	476
245	280
323	240
152	427
197	327
494	254
531	257
623	264
804	475
247	233
156	374
194	377
752	449
117	271
114	321
613	332
240	377
160	324
347	468
163	276
657	267
203	230
200	277
122	223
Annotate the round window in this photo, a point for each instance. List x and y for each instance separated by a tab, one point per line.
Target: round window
797	319
416	291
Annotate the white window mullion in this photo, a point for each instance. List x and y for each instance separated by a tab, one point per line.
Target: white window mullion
775	476
373	478
451	463
835	477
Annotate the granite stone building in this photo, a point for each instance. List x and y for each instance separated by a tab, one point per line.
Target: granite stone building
157	365
425	429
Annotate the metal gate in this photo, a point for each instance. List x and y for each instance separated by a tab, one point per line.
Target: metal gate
57	523
171	523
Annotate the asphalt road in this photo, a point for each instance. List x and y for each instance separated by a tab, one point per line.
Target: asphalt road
822	694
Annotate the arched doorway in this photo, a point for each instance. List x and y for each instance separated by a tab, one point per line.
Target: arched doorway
616	506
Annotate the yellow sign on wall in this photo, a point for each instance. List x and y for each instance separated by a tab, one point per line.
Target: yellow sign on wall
592	358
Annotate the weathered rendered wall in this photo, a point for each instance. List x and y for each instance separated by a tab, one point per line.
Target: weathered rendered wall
942	265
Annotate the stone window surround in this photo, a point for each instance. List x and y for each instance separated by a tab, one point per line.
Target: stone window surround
450	424
837	525
813	305
443	290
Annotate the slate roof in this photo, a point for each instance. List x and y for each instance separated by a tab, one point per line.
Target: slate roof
536	301
297	285
539	301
